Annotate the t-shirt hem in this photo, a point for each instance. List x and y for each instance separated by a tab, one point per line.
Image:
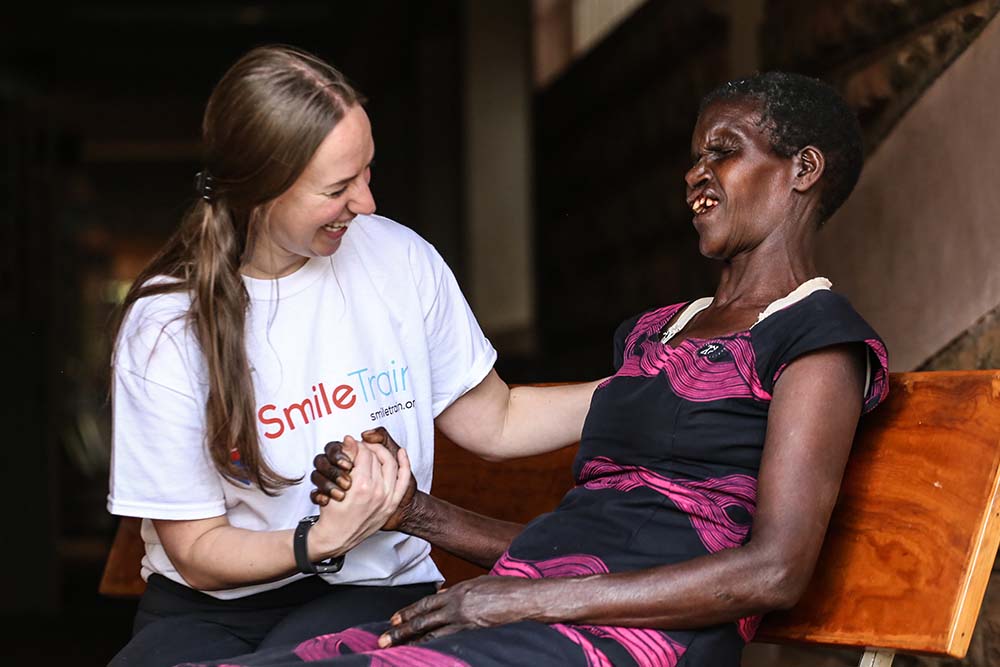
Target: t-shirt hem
169	512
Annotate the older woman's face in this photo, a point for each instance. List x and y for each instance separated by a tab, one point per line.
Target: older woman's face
738	188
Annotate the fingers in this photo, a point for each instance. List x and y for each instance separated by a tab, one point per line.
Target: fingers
331	474
320	498
424	628
351	448
378	469
380	436
388	469
326	474
425	615
325	490
362	457
422	606
402	481
403	461
385	458
335	452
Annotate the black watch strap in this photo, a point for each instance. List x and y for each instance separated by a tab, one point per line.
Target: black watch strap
301	549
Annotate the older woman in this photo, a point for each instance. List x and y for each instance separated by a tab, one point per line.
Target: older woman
726	413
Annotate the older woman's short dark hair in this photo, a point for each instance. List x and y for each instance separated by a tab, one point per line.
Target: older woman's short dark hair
799	111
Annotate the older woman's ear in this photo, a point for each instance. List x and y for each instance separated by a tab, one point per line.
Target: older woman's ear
809	165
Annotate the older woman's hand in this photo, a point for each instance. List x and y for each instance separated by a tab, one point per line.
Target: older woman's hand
332	473
477	603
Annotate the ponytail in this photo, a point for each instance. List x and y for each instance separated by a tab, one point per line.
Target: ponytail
217	318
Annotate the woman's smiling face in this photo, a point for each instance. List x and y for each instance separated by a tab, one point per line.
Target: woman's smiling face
312	216
739	189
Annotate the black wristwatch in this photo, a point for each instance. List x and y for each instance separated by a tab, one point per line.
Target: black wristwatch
328	566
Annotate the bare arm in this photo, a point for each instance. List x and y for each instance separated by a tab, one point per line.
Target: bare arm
473	537
213	555
810	430
497	422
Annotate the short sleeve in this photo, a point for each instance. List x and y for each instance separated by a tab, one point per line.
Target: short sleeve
820	320
160	467
460	355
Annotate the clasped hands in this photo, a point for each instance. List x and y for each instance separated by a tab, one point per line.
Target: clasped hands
352	467
381	483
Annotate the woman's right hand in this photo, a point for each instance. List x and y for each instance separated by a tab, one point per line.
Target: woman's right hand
378	483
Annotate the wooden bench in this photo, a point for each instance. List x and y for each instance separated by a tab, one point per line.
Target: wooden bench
910	546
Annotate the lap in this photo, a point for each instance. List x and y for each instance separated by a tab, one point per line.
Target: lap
344	608
168	641
525	643
176	624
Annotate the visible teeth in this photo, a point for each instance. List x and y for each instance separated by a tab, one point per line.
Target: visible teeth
703	204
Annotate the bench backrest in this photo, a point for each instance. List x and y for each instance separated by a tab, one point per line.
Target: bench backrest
911	541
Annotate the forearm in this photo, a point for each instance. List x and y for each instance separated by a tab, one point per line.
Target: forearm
225	557
542	419
473	537
700	592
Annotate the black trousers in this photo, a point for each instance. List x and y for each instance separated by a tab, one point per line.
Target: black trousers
177	624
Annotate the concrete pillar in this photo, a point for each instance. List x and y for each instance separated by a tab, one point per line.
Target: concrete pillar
497	153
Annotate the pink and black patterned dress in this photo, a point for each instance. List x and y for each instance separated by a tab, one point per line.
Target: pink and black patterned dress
666	472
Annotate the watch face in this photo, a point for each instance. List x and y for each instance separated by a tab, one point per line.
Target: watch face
309	519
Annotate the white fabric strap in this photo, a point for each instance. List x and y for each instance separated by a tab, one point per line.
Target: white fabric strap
797	294
695	307
686	315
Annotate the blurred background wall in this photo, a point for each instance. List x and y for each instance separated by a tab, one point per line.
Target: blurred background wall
540	145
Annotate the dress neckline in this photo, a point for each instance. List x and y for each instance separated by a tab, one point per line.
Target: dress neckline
698	305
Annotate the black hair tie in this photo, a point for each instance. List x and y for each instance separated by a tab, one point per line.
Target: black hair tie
203	184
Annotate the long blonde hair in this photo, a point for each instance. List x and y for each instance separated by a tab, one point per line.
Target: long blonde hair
264	121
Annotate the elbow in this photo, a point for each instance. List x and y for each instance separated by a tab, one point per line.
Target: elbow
198	580
787	593
194	570
193	579
783	581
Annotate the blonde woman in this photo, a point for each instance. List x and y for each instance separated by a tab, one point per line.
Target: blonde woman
284	314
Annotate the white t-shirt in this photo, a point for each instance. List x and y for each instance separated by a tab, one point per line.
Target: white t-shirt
377	334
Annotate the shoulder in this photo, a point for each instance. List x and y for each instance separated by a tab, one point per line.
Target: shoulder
822	319
159	310
153	320
375	232
822	311
394	247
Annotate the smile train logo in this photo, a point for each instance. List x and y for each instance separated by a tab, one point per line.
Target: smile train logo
364	383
